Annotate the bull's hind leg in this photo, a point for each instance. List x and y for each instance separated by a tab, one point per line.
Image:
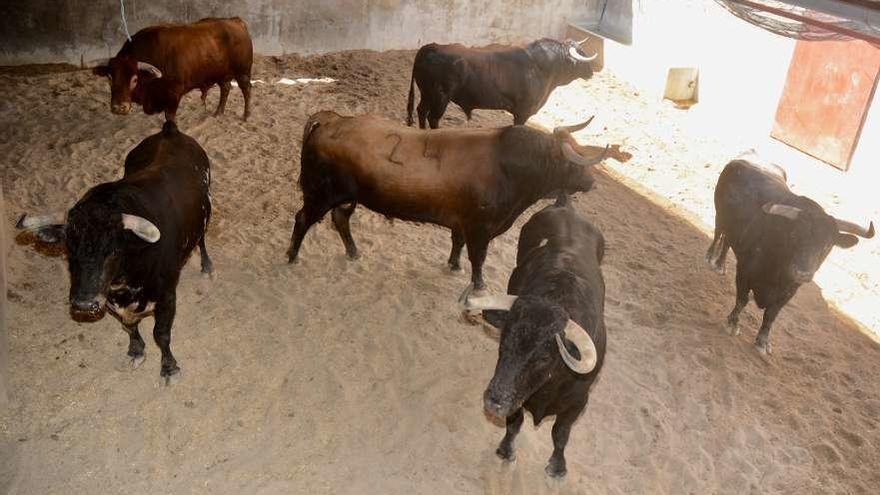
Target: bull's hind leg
135	345
742	298
455	255
505	448
341	215
205	97
207	264
244	83
436	110
225	86
306	217
422	110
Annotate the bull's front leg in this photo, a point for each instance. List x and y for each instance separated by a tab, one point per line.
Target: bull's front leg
164	315
135	345
561	429
762	341
477	245
505	448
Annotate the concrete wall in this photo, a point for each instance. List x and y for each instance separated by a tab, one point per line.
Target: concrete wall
41	31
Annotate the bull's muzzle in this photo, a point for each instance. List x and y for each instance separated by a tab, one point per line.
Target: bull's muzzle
121	108
89	307
496	406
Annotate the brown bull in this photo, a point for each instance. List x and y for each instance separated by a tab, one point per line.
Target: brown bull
473	181
162	63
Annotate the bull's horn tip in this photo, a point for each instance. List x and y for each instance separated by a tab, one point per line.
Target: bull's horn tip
20	223
870	233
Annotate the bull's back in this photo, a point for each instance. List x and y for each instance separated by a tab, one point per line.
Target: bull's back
406	173
171	172
743	188
204	52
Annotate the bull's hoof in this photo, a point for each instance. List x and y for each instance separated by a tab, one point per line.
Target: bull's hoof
470	318
454	267
353	256
170	375
292	260
137	361
506	454
556	469
207	267
714	264
733	329
764	349
170	380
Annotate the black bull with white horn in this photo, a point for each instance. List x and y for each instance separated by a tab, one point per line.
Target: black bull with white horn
552	343
127	240
518	79
780	239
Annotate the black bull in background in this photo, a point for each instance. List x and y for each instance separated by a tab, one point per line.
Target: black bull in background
780	239
552	327
127	240
516	79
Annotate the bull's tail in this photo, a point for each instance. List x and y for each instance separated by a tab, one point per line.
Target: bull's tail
312	123
169	127
409	101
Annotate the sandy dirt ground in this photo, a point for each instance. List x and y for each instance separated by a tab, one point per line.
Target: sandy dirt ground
333	376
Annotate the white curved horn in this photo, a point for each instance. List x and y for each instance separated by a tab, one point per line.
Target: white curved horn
141	227
854	228
584	344
148	67
34	222
581	42
482	303
572	128
572	51
789	212
576	158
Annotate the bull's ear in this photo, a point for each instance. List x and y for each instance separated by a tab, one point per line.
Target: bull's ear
845	241
101	70
495	317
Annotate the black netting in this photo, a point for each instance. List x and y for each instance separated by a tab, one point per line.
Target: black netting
795	29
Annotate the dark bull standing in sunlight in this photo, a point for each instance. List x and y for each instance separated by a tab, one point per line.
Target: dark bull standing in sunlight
474	181
780	239
515	79
552	327
162	63
128	240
